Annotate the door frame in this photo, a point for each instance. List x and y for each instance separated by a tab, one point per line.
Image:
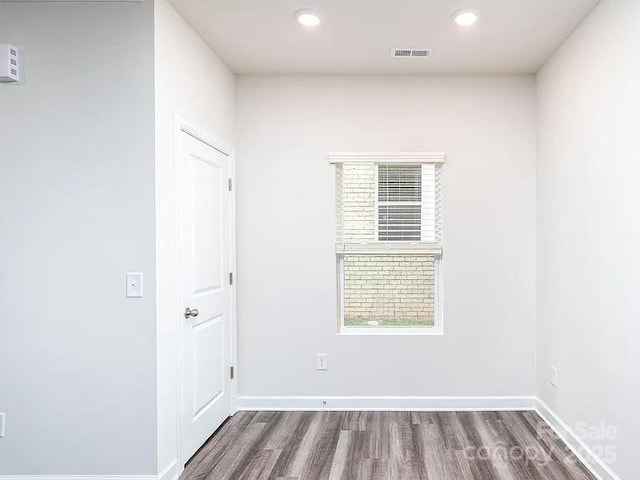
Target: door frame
184	124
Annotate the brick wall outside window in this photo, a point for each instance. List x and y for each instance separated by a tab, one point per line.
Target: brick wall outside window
356	202
393	289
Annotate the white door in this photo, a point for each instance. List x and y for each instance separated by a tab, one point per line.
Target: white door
204	202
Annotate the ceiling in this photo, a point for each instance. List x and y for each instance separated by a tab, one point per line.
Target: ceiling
355	36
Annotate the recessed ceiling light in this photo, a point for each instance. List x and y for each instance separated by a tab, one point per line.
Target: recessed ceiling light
307	18
466	17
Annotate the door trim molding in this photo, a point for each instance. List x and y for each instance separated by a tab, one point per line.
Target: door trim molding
183	123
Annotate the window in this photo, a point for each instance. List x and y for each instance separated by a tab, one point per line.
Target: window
389	242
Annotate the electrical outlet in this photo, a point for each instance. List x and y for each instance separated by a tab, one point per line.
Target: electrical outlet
134	285
321	361
2	425
554	376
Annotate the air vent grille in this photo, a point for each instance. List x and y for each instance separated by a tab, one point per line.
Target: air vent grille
411	53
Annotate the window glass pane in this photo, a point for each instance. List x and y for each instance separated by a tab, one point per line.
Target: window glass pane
389	290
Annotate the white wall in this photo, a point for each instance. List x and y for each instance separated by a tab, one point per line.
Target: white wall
77	359
286	264
190	80
589	228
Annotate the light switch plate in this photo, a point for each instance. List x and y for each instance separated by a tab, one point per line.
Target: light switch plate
321	361
2	417
134	285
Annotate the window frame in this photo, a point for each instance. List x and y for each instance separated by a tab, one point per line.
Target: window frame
378	159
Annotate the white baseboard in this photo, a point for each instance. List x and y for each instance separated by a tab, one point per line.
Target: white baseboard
342	403
78	477
171	472
580	449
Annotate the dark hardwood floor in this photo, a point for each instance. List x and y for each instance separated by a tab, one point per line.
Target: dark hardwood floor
385	446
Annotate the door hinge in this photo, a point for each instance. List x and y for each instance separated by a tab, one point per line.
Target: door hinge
230	184
232	372
230	278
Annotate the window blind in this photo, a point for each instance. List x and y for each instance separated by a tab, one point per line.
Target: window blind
400	203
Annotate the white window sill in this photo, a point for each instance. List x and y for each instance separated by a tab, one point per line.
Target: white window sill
391	331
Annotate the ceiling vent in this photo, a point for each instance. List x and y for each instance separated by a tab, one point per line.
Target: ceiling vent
411	53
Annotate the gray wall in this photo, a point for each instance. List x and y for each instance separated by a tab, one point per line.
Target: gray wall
589	231
286	126
77	359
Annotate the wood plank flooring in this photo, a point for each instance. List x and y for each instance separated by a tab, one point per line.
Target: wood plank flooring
385	446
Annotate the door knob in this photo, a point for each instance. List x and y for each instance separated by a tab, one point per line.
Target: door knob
191	312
